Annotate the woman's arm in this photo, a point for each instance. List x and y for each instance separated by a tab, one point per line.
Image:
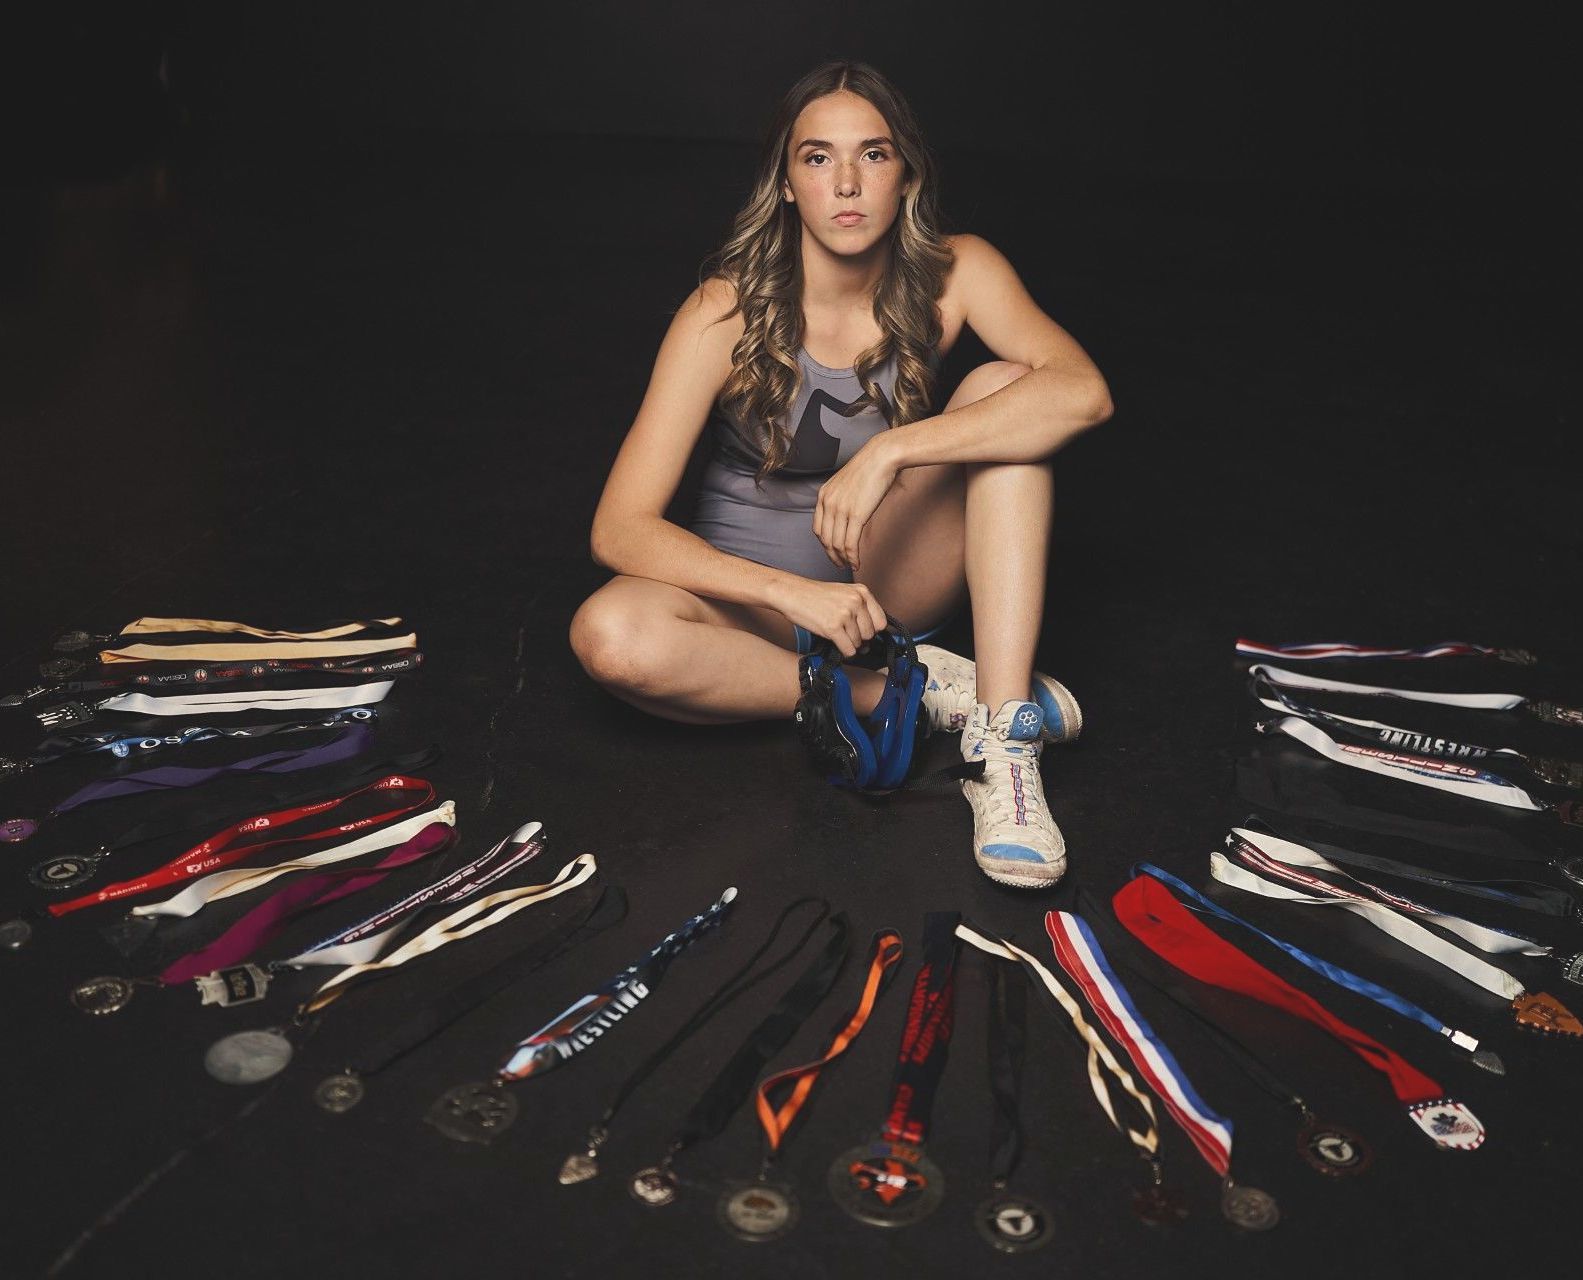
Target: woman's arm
630	533
1026	420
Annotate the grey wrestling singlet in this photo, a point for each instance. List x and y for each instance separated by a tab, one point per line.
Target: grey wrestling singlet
773	524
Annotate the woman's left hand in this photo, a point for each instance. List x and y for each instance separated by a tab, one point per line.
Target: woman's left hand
849	498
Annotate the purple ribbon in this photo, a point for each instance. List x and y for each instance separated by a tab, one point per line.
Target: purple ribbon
267	919
354	739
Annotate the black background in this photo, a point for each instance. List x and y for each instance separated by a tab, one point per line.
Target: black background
345	314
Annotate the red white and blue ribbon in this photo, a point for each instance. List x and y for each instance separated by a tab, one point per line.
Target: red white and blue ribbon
1078	952
1332	650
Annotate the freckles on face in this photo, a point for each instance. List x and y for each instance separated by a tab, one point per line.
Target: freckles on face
841	155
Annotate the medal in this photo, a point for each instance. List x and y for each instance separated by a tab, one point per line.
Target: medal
1013	1223
11	767
64	872
755	1211
14	934
14	830
1332	1149
248	1057
338	1093
886	1184
475	1112
1159	1206
1536	1011
61	668
1248	1207
890	1182
101	996
577	1027
72	641
766	1210
654	1186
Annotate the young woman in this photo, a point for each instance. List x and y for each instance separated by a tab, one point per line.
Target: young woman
834	495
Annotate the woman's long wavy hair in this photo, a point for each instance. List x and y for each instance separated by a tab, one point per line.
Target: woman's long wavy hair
762	258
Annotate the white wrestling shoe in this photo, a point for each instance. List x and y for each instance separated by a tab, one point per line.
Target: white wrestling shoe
952	692
1015	841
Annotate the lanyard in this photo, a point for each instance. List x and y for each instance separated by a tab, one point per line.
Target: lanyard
478	1111
1392	914
1389	738
165	675
355	943
1550	712
723	1096
217	850
183	704
344	1090
1167	928
1078	952
175	638
123	745
1334	972
1333	651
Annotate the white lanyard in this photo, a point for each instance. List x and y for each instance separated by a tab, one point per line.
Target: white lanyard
1297	680
250	700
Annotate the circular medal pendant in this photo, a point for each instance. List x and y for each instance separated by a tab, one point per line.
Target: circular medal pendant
1249	1208
62	873
73	641
10	767
1159	1206
756	1211
475	1112
247	1057
14	934
13	830
60	668
100	996
1333	1150
338	1093
886	1184
654	1186
1013	1223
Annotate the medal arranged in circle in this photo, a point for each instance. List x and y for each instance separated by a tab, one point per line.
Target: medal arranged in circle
103	995
475	1112
248	1057
338	1093
1248	1207
755	1211
1013	1223
13	830
886	1184
14	933
1333	1150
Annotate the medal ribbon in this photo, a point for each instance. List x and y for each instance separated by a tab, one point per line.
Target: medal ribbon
1297	680
1341	977
1145	1143
267	919
1007	1050
327	643
228	884
216	851
475	917
1445	649
582	1022
182	704
777	1119
1078	952
926	1036
351	740
1167	928
123	745
365	939
1282	860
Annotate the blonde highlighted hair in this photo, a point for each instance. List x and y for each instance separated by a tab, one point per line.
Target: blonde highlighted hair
762	259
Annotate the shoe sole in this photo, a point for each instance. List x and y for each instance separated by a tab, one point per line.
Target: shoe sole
1052	694
1021	882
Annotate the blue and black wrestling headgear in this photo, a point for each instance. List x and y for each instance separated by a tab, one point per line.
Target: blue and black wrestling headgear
872	753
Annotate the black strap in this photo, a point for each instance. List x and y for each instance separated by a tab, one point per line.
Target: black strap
602	909
730	1088
739	983
926	1037
1008	1047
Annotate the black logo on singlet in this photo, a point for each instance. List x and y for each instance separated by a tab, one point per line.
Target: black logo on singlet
814	448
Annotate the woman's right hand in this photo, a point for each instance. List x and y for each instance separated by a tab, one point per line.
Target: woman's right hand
845	613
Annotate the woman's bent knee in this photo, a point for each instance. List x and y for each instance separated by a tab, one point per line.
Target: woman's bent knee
618	636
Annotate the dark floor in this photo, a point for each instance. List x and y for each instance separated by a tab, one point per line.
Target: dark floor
284	391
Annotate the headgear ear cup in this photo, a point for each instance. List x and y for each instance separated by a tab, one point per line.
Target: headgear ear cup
876	753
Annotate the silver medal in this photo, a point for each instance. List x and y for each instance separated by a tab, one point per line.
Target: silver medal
475	1112
1249	1208
338	1093
247	1057
1013	1223
14	934
580	1166
100	996
756	1211
655	1187
65	872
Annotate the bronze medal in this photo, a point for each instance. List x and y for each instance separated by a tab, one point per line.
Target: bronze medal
1248	1207
1536	1011
1333	1150
655	1186
474	1112
886	1184
1158	1206
101	996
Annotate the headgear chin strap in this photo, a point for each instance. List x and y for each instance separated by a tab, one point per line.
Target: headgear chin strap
873	753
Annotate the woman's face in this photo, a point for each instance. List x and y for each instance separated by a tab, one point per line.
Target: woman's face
840	157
